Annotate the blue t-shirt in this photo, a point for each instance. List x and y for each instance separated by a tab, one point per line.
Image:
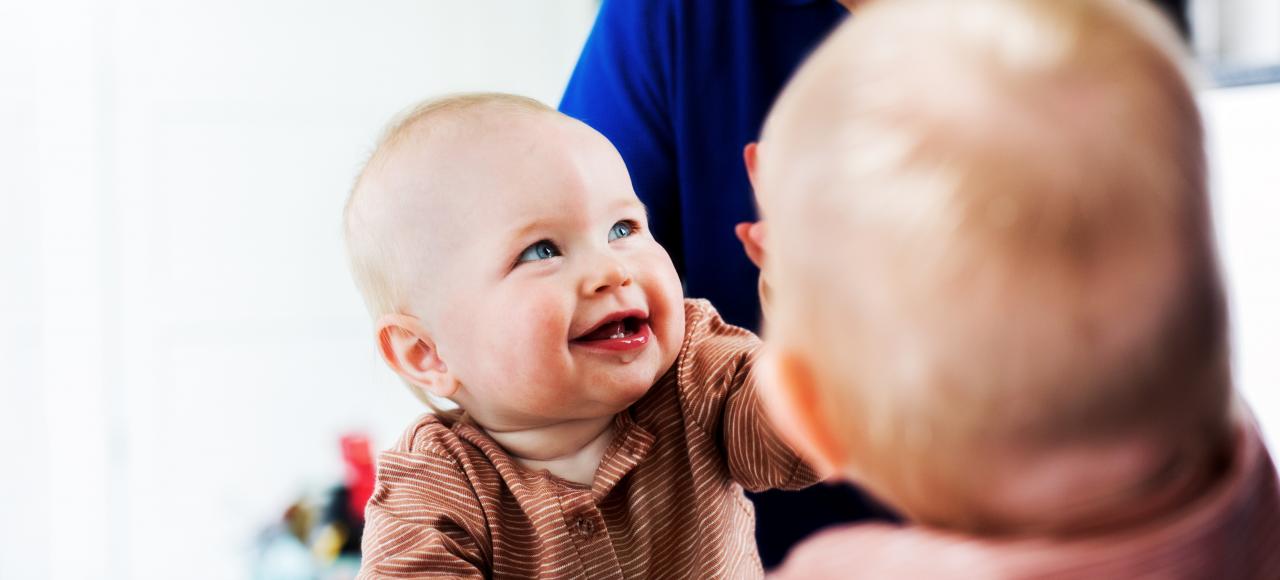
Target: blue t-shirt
680	87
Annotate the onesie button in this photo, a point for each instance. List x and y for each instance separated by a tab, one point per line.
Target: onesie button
584	526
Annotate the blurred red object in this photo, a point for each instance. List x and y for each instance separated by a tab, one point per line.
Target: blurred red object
357	454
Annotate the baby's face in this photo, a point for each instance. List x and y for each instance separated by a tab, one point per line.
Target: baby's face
554	301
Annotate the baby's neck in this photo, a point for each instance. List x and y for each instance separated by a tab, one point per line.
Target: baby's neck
570	450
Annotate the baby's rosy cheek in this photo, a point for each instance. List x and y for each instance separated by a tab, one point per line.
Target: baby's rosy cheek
541	324
548	314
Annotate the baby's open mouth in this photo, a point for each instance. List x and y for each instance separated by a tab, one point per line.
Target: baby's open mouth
614	329
620	331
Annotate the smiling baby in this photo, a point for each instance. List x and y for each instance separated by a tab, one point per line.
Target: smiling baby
606	426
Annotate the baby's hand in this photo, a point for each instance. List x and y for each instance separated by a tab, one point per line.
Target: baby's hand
751	234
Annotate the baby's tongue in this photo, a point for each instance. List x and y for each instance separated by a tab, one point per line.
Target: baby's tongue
606	331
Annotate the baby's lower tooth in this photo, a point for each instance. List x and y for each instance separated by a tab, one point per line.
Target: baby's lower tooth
618	335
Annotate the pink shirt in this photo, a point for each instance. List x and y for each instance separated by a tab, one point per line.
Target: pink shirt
1231	532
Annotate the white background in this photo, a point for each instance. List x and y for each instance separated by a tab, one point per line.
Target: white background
180	344
1236	33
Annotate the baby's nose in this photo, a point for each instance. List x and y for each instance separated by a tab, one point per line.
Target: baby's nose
608	274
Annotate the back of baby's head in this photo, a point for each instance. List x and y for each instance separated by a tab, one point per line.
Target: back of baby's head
990	230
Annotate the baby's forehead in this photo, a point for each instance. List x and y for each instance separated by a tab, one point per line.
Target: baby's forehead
497	137
441	139
492	165
458	156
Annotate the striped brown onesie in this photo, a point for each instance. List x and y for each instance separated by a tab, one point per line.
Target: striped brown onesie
666	501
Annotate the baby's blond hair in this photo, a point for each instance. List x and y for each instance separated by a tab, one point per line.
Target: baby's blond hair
990	229
379	263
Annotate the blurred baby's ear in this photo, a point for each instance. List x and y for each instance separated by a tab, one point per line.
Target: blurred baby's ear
790	395
749	154
408	349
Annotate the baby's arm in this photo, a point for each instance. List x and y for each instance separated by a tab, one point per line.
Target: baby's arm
719	384
758	457
423	521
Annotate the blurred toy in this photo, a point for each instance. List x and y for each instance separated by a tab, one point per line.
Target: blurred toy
318	538
358	457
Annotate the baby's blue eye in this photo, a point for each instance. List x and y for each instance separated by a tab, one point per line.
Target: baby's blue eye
539	251
620	230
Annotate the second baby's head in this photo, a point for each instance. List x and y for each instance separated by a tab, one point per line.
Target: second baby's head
996	302
508	264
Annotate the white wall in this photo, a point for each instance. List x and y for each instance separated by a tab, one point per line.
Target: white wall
1237	33
181	343
1244	147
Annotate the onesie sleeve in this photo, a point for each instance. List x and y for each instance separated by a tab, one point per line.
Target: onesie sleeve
424	520
718	385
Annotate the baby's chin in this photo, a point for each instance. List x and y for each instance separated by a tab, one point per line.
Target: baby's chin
600	402
623	391
617	377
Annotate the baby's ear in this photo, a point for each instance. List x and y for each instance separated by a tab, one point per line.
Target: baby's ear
749	154
790	395
408	349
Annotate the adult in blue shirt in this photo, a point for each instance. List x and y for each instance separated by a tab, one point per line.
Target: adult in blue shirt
680	87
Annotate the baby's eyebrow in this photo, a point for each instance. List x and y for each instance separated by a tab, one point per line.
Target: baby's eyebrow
529	227
632	203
